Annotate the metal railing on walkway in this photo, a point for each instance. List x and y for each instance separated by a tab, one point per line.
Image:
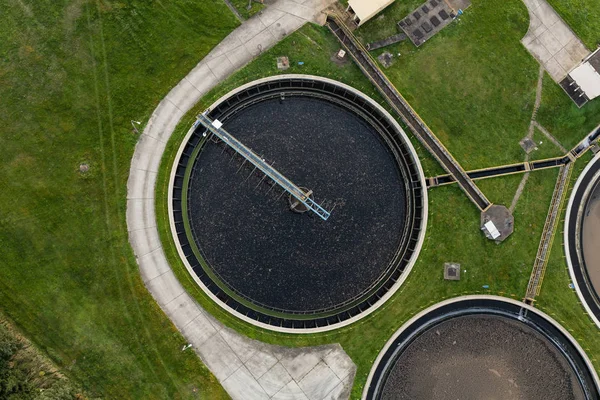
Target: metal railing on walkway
369	67
215	128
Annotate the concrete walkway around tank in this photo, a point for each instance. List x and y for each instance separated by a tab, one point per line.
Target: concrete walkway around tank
246	368
551	41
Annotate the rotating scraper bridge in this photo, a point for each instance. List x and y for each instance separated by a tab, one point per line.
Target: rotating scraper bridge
215	127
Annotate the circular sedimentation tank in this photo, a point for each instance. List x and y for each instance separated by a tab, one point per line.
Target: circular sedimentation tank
270	263
482	348
582	227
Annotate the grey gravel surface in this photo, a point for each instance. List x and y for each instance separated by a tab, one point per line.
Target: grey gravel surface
481	358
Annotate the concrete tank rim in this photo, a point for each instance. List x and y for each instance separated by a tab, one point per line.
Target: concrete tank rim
459	299
566	239
388	294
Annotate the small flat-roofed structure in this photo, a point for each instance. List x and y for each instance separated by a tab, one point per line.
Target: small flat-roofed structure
583	82
364	10
497	223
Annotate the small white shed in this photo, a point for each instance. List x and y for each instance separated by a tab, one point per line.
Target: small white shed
364	10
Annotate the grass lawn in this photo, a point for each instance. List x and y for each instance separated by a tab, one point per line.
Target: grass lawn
73	74
242	7
559	115
473	86
583	16
453	232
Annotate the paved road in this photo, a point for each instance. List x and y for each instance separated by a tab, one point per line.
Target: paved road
247	369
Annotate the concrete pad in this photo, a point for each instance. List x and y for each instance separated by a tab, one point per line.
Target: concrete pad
555	70
565	60
546	14
577	50
144	241
202	78
198	331
260	363
183	309
239	57
291	391
260	43
271	15
142	188
184	95
228	44
534	22
540	30
539	51
286	25
166	287
140	214
153	264
319	382
243	347
340	363
299	365
341	391
298	10
249	30
562	33
275	379
532	4
240	385
550	42
145	157
161	128
217	356
221	67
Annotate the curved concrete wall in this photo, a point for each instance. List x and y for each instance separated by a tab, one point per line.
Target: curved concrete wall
396	286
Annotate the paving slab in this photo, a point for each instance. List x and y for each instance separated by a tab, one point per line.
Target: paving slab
319	382
275	379
260	363
154	259
241	385
551	41
291	391
146	240
198	331
246	368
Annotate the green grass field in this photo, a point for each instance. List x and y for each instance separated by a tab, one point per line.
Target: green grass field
562	118
73	74
242	7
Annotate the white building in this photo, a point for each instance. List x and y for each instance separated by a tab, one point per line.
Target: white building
583	82
364	10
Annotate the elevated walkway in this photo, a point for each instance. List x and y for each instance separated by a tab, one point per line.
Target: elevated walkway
405	111
215	127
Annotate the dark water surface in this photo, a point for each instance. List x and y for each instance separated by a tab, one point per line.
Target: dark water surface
482	358
290	261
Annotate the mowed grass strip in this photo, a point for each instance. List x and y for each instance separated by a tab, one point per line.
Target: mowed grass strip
561	117
73	74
